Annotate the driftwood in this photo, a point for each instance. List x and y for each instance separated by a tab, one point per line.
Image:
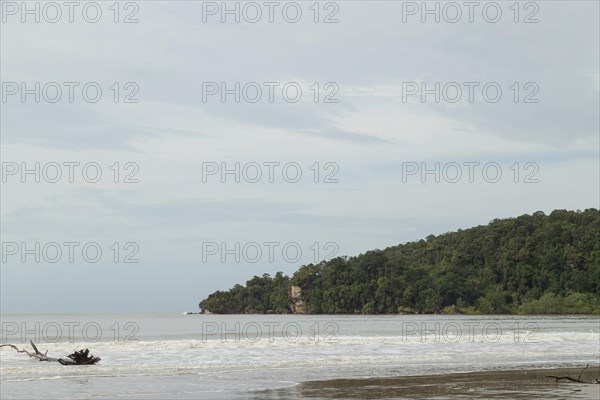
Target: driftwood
576	380
81	357
38	354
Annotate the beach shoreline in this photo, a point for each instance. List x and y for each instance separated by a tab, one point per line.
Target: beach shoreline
513	384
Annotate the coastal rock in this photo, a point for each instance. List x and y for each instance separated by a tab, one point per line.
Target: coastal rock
297	305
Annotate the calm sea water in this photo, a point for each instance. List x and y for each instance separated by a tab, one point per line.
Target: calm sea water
241	356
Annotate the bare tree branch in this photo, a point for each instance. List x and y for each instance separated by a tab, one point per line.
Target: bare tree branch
81	357
39	355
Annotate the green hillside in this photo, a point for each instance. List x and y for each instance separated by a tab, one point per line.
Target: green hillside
532	264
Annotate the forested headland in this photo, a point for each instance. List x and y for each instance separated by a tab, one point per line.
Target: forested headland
531	264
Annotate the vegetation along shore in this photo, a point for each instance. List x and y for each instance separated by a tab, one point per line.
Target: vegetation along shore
531	264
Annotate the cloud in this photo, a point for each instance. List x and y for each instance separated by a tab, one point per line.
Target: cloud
369	133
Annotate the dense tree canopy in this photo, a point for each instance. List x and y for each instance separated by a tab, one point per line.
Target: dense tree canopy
533	264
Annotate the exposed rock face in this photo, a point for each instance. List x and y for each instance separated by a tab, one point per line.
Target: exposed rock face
297	305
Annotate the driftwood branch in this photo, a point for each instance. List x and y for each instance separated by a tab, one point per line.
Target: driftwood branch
568	378
586	367
38	354
81	357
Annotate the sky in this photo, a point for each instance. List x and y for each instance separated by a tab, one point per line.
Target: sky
155	152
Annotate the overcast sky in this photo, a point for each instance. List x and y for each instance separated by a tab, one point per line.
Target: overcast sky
370	134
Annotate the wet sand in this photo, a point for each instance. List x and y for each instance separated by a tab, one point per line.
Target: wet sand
526	384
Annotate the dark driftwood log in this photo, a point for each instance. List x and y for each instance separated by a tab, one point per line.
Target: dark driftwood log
568	378
81	357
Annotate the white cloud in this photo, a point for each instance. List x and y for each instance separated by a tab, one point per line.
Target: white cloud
368	134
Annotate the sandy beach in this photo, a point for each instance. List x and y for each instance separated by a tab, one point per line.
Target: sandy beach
526	384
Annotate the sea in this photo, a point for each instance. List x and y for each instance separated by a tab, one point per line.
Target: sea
201	356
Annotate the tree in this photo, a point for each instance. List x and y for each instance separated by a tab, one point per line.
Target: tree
532	263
